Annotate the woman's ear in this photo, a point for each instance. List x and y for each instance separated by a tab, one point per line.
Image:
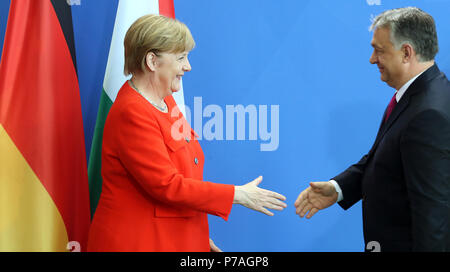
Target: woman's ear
150	60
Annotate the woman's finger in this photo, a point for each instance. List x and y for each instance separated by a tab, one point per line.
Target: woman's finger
257	181
272	194
265	211
277	202
273	206
213	246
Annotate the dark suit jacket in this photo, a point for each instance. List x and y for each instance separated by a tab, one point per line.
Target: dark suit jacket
404	180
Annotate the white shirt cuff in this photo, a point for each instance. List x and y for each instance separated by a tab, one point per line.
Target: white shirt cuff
338	190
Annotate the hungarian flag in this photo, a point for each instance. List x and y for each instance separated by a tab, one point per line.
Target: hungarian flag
44	197
127	13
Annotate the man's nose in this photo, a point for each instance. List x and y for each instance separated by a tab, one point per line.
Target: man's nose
373	58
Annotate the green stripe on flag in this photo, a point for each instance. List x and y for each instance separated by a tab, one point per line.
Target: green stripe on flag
127	13
95	162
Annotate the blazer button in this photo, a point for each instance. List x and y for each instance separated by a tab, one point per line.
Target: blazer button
196	161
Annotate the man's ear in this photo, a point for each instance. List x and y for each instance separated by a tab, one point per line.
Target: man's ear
151	61
408	52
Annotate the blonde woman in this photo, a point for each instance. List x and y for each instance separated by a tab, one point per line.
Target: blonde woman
153	195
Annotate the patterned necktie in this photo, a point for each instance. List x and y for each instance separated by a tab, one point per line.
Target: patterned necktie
390	107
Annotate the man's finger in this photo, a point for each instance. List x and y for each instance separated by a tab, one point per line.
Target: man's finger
302	201
301	206
311	213
305	209
300	198
316	186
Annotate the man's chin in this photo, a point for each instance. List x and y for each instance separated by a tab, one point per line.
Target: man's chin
389	83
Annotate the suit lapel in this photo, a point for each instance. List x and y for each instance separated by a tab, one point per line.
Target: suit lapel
418	85
385	126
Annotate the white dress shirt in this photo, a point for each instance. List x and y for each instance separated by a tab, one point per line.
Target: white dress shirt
398	96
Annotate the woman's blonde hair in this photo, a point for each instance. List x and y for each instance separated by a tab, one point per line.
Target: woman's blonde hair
157	34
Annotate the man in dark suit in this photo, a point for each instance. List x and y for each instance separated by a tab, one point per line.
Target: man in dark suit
404	180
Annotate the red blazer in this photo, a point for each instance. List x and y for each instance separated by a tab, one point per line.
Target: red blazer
153	197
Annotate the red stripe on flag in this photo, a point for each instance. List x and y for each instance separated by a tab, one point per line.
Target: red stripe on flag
40	109
166	8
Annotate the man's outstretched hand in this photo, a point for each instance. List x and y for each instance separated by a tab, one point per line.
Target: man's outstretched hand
319	195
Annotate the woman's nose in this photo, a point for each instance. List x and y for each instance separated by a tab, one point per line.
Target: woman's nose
187	65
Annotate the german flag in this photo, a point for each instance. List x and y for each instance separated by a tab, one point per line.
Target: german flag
44	197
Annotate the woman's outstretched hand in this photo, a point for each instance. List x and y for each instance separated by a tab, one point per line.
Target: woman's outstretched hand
258	199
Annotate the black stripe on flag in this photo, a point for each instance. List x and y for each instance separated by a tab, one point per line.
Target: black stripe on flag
64	13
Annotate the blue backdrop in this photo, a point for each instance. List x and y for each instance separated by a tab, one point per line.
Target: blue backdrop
311	58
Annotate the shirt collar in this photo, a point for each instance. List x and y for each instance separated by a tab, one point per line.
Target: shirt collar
403	89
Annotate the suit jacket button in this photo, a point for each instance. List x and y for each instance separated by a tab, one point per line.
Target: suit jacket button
196	161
